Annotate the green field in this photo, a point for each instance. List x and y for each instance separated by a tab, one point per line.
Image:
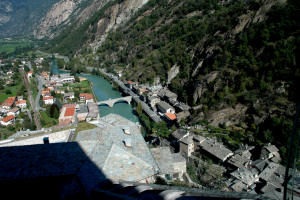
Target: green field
9	46
46	120
13	90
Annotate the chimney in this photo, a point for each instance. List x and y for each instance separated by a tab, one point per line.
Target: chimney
127	142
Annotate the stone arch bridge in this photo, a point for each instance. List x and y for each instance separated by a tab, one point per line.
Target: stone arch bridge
111	102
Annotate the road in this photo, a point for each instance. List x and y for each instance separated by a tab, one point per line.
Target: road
36	114
41	82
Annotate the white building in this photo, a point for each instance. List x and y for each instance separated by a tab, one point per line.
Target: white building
8	120
49	100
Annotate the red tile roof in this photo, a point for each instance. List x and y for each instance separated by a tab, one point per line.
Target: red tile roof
87	96
47	98
8	118
69	112
9	101
130	82
15	109
170	116
30	72
20	102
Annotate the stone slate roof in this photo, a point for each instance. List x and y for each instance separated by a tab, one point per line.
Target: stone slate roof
216	149
165	159
105	147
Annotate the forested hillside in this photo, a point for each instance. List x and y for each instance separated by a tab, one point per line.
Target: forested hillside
19	17
237	60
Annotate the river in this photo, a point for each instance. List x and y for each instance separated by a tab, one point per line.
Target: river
104	91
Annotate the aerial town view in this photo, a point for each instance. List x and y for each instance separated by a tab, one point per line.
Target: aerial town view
147	99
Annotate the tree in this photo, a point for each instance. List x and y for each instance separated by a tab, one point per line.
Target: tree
161	129
54	111
139	109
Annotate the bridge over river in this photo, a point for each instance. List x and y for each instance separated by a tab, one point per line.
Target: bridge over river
111	102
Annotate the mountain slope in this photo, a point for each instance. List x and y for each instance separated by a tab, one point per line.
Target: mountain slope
234	61
20	17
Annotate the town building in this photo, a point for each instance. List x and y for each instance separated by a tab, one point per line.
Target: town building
29	74
93	111
48	100
170	117
164	107
152	100
215	149
8	120
8	103
171	165
69	96
46	92
119	155
67	115
270	152
86	97
62	78
82	112
15	111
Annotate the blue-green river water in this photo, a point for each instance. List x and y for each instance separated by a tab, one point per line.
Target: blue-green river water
104	91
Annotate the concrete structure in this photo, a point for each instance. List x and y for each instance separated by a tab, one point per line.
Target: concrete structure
8	120
57	137
67	115
171	165
111	102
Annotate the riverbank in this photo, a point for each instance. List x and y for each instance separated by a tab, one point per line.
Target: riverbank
103	90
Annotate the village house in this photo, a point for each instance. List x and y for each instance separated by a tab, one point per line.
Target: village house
82	112
45	75
8	103
46	92
86	98
48	100
270	152
152	100
215	149
67	115
8	120
15	111
171	165
21	104
164	107
29	74
170	117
